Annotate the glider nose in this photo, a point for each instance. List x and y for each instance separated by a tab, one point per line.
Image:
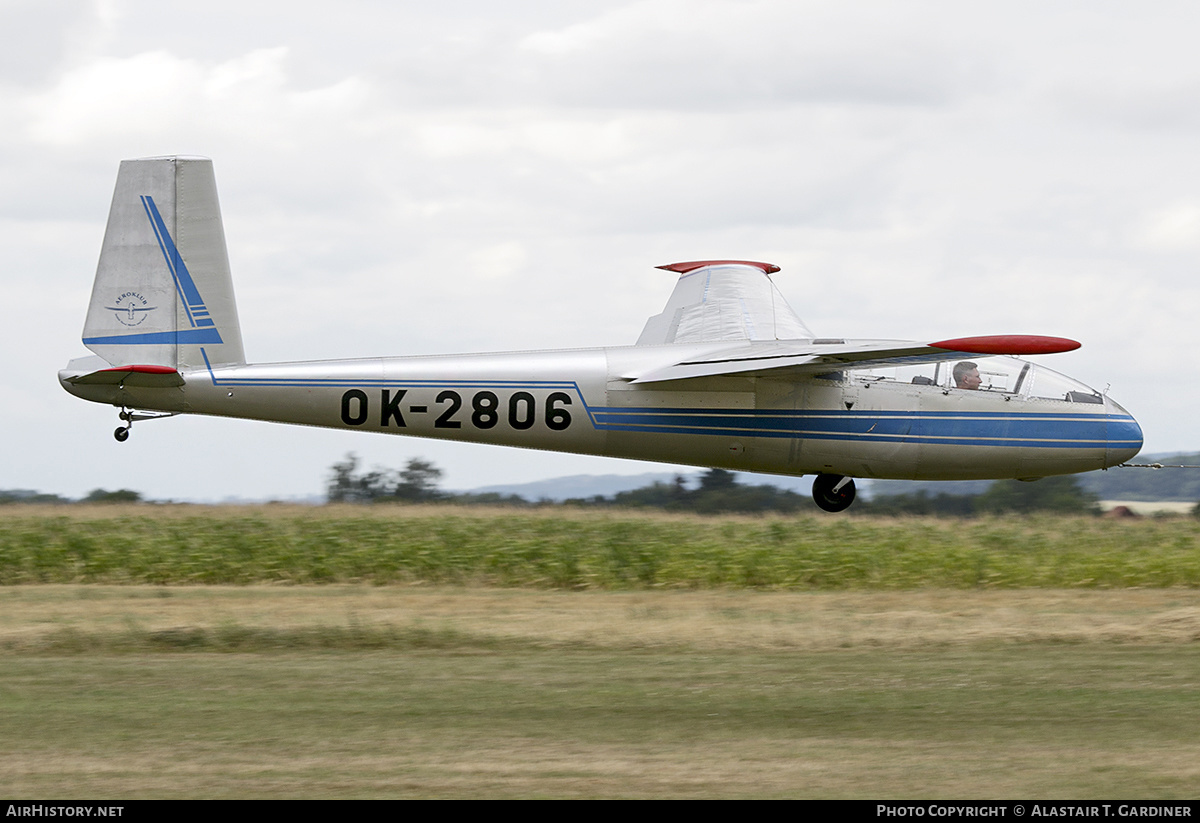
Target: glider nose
1124	435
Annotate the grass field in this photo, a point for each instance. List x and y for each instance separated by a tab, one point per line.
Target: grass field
367	691
565	549
608	686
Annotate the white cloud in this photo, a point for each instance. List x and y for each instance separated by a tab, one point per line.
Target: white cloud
162	97
500	261
1175	228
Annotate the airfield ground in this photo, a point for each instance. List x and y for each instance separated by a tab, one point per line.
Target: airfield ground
354	691
420	689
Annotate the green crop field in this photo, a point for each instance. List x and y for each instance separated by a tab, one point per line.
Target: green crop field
190	652
561	548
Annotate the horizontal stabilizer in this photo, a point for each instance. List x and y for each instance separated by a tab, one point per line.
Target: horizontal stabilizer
149	376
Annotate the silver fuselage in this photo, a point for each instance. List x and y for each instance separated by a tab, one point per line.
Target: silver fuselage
583	401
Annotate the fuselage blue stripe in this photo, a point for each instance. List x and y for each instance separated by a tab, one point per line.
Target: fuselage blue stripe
1073	443
747	412
1010	428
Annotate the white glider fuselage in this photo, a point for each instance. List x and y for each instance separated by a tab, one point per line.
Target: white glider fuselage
583	401
726	376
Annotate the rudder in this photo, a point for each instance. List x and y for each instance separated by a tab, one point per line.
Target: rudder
163	294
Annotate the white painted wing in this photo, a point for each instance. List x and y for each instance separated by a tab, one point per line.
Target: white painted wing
813	357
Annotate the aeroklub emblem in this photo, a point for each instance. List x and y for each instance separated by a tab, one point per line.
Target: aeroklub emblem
131	308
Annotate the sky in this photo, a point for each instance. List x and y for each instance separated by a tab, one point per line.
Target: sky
417	178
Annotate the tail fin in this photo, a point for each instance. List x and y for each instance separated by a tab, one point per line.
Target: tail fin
163	295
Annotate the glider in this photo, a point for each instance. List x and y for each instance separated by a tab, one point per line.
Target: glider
725	376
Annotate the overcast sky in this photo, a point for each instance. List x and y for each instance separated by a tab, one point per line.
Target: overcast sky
415	178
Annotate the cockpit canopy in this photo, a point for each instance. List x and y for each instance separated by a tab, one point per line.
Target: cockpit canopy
995	374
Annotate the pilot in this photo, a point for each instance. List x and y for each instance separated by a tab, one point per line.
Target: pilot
966	375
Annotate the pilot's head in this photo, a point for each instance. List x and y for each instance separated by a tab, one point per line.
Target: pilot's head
966	375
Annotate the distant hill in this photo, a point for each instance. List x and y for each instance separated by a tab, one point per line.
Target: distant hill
1151	485
1181	485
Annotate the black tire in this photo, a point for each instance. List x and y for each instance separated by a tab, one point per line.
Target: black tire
122	434
829	500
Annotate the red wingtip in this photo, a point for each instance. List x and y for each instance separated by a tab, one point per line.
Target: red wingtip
1008	344
684	268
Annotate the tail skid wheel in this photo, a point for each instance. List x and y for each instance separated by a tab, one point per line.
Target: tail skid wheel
131	416
833	492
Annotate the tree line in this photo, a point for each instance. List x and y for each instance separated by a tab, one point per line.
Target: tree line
718	492
11	496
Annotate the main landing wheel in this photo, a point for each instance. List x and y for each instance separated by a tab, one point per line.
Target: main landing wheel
122	434
833	492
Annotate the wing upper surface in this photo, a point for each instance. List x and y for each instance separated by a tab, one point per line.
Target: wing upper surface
815	356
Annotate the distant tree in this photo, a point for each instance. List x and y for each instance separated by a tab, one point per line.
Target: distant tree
340	488
491	499
919	503
119	496
418	481
717	480
749	500
376	484
30	496
1055	494
655	496
346	485
1066	495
